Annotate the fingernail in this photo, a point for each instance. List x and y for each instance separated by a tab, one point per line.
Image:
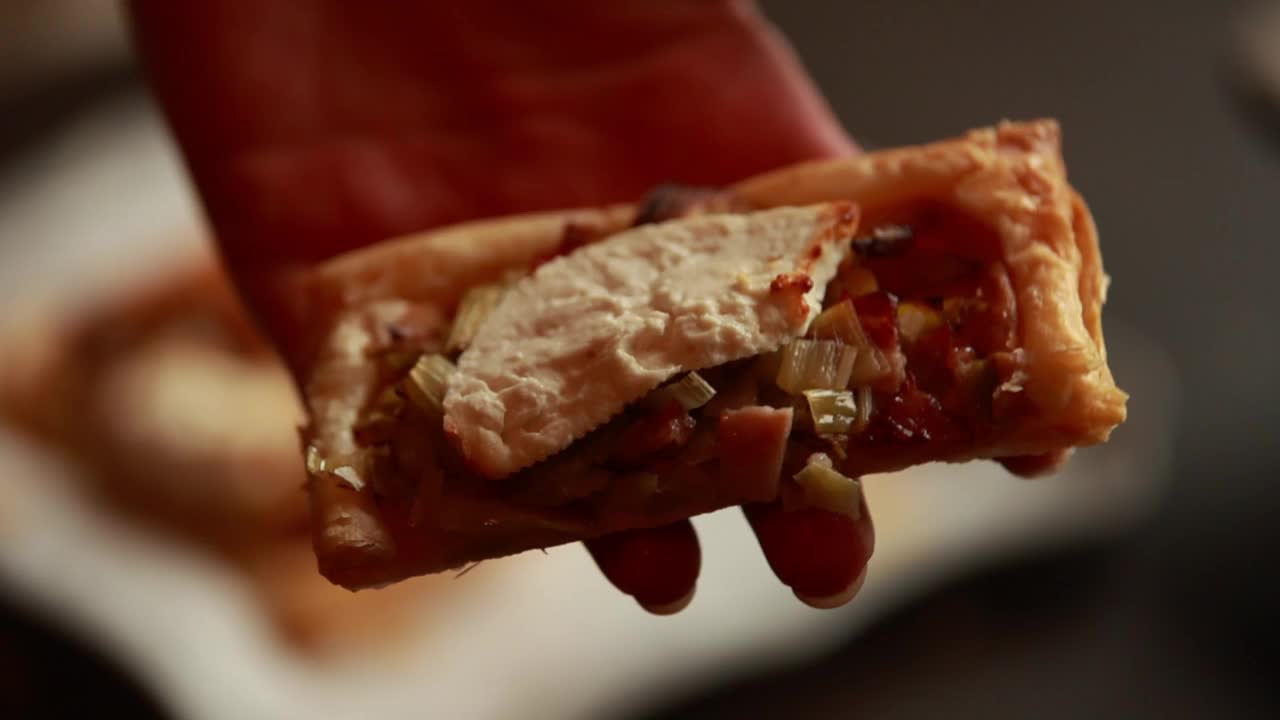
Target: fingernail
831	602
671	608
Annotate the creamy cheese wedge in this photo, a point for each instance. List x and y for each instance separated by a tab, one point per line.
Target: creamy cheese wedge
586	334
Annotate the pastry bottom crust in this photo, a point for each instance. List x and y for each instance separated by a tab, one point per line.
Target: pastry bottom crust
1008	180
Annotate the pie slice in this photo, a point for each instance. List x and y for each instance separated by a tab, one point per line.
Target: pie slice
524	382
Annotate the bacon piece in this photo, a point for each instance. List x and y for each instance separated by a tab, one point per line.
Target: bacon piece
753	444
878	314
670	427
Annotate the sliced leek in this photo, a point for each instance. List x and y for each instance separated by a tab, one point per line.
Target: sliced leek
870	366
826	488
428	381
840	322
865	407
690	392
475	306
816	365
315	463
350	476
915	320
833	411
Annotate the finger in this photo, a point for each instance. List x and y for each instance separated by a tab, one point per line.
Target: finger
657	566
1033	466
821	555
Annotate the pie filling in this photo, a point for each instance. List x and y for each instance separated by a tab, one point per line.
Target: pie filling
914	358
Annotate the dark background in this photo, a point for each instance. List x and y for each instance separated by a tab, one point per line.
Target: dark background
1182	169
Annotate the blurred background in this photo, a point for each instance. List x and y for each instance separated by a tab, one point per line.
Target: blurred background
1137	584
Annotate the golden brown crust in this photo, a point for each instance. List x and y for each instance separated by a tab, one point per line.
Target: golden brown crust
1012	177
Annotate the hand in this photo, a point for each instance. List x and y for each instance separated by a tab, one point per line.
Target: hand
311	128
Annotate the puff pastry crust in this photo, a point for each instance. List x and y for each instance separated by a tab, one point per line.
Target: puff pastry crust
1008	187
